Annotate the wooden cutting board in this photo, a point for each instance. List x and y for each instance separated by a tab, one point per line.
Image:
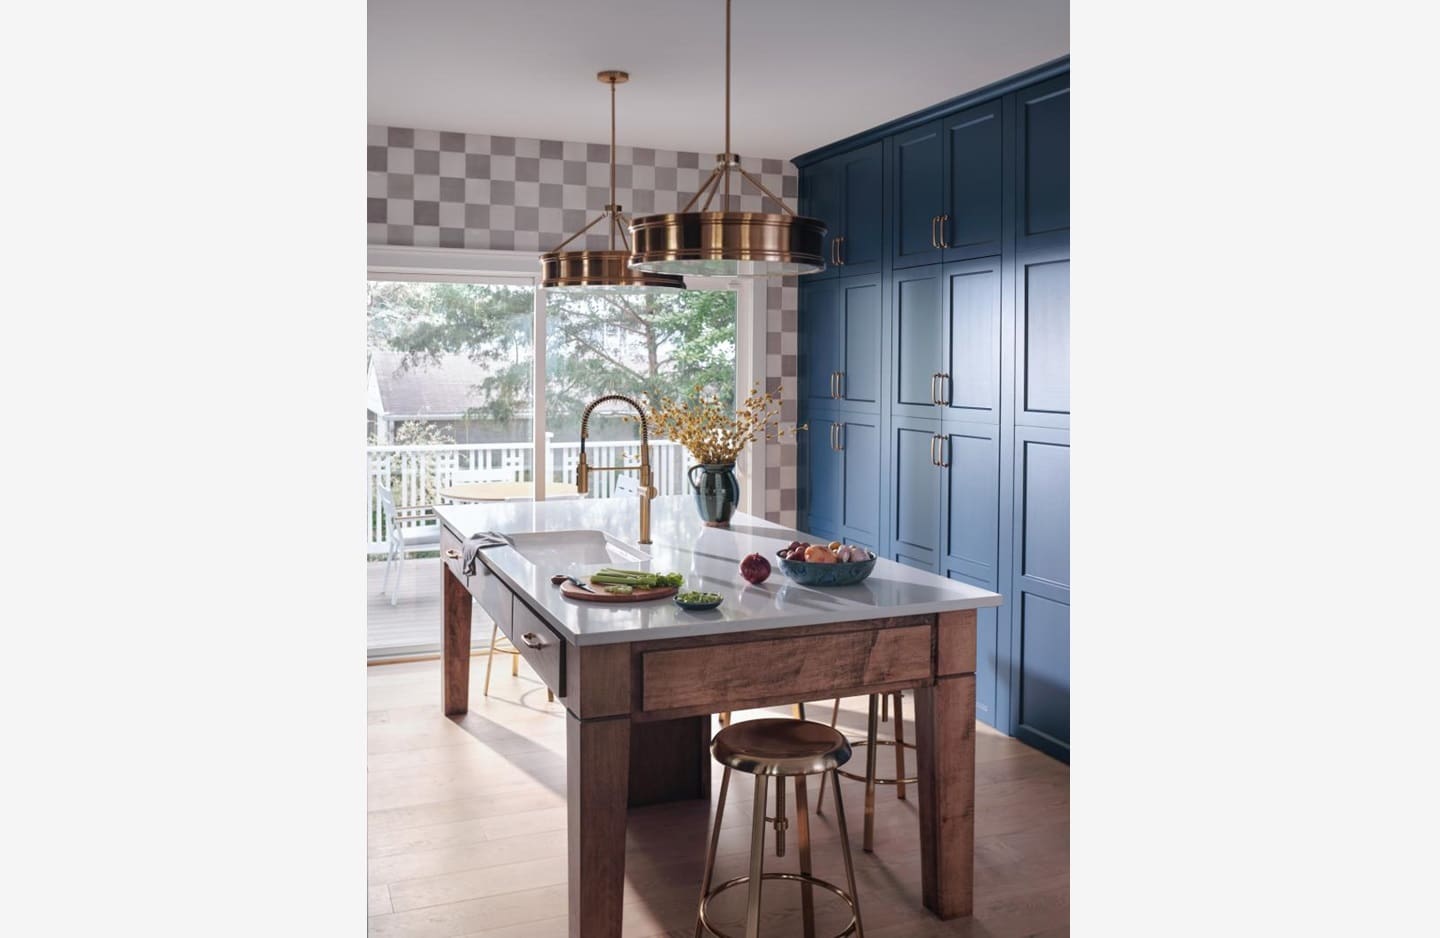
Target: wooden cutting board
572	591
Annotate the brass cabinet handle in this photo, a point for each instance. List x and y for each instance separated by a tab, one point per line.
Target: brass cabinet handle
452	553
933	460
940	450
944	220
944	400
834	384
840	251
532	640
839	384
832	251
833	447
840	437
934	392
933	220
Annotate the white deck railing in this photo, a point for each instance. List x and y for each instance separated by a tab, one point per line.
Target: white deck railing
418	473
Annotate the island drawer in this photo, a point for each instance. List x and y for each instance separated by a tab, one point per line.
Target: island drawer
541	647
732	675
486	588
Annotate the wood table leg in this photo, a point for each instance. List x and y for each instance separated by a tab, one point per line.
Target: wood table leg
945	736
597	763
456	671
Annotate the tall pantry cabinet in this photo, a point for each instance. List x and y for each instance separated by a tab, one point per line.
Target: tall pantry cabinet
935	370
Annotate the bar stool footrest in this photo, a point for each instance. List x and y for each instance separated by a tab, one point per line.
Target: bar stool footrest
856	744
801	878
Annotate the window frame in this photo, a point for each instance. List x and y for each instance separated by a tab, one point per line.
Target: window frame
464	265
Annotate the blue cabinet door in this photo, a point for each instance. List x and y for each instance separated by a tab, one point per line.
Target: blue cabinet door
917	335
914	483
974	212
859	441
1040	593
970	386
820	198
1042	337
1043	144
970	510
859	326
917	186
821	327
861	182
825	474
992	656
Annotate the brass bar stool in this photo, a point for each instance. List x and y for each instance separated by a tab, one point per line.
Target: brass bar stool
781	748
872	745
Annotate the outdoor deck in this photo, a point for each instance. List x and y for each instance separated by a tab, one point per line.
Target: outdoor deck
412	625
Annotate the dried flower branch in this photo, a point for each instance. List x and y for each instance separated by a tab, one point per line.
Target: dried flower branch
714	434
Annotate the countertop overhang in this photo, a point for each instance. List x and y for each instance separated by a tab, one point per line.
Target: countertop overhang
709	558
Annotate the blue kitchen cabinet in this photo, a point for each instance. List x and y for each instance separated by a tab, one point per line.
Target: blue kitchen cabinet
914	479
917	314
820	344
840	325
847	193
1042	338
970	366
862	309
947	184
946	335
1043	144
842	464
1039	599
973	209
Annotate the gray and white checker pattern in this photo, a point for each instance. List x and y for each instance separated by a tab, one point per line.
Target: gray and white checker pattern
439	189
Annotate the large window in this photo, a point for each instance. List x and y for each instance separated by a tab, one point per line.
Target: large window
452	378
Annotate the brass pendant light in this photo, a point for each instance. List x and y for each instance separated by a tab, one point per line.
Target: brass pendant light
726	243
606	271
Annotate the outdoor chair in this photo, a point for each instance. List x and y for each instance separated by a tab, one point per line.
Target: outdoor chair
405	539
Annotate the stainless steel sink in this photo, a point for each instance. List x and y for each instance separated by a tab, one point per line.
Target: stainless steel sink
556	550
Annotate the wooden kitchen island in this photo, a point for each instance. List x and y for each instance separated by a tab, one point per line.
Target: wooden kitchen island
639	682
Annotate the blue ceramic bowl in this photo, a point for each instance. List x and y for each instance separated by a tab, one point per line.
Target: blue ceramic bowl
825	574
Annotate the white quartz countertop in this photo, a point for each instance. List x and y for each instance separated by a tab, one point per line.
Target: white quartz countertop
709	558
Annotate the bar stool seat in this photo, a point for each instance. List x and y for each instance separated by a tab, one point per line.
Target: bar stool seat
780	749
779	746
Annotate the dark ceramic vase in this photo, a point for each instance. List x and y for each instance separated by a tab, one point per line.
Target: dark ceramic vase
717	492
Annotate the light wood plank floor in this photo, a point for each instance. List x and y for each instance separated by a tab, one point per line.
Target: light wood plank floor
467	830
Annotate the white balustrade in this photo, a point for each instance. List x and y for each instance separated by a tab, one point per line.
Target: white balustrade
418	473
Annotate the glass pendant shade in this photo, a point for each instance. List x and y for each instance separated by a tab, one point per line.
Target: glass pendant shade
726	243
608	270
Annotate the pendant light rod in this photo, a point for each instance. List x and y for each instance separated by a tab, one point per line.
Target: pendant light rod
725	207
614	222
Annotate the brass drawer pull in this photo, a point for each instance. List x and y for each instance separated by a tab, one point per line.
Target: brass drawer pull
933	460
532	640
940	459
944	220
933	220
839	384
840	437
840	252
934	391
944	398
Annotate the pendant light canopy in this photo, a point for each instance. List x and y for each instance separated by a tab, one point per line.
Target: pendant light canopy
607	271
726	243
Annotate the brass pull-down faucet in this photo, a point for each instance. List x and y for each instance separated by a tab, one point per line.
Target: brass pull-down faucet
582	470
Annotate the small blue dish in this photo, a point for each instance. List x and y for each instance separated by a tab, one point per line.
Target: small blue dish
698	607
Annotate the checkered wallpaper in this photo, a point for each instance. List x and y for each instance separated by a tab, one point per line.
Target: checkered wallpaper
440	189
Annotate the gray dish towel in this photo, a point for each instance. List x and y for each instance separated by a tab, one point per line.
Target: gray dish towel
477	543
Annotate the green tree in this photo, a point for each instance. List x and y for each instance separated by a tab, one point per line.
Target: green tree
660	345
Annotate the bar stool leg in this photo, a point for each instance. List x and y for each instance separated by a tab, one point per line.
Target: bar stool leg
514	665
757	859
802	818
820	799
870	734
845	839
885	708
899	747
490	658
714	845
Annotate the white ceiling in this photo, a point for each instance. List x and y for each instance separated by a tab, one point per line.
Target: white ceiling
805	72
